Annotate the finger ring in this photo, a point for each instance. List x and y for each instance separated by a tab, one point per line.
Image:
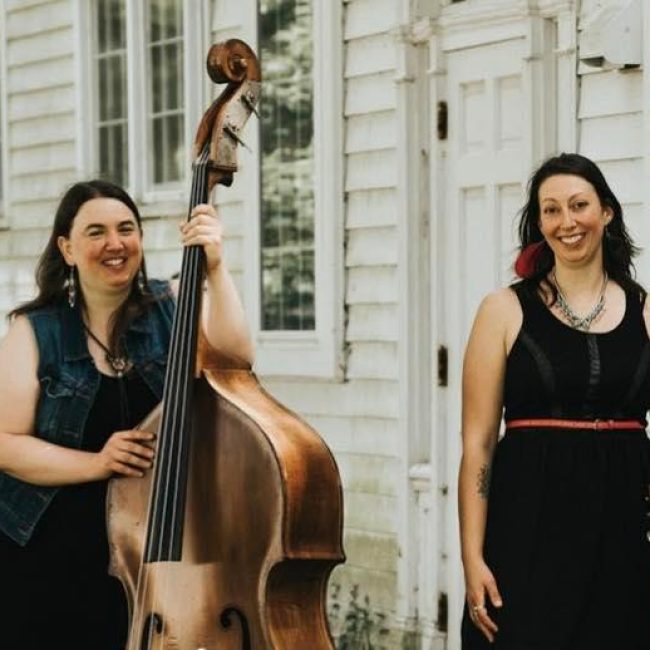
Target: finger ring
477	608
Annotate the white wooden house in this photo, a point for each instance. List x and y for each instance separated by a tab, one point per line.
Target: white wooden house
376	207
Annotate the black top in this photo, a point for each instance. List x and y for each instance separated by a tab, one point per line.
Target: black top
56	591
554	370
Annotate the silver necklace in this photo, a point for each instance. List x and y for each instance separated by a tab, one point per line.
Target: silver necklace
580	322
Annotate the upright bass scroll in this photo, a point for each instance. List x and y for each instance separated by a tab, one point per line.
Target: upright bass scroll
230	543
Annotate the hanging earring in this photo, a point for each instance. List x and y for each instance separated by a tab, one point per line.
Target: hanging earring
142	285
72	289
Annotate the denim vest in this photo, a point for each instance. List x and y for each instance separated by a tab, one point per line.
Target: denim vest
69	382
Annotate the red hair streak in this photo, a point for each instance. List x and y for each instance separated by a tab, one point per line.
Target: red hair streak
525	262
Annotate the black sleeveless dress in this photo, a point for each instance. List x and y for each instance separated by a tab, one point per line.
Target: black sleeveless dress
56	592
568	529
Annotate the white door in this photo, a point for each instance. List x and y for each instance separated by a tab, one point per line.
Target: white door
488	162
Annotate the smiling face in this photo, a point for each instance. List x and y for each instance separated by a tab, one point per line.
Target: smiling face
105	244
572	219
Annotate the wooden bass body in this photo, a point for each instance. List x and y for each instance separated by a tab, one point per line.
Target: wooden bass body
262	530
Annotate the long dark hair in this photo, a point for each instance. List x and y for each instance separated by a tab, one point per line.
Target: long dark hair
52	270
618	247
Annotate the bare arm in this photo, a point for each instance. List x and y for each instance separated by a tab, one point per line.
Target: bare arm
27	457
483	378
223	320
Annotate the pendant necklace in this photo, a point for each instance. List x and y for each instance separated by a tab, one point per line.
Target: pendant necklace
580	322
118	364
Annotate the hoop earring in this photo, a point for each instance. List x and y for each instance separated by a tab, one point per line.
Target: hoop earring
72	288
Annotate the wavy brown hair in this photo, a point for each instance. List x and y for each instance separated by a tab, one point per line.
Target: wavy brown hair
618	247
52	270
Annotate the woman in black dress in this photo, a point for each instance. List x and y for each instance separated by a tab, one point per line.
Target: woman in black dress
82	364
555	516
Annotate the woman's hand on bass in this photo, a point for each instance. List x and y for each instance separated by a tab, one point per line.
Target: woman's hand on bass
126	453
481	585
204	229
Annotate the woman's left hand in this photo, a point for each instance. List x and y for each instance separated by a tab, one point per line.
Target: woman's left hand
204	229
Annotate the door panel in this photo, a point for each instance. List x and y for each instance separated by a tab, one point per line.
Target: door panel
487	168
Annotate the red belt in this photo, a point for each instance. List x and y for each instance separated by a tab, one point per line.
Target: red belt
556	423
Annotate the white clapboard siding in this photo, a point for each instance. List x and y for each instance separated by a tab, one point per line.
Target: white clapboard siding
379	587
368	474
611	93
372	360
356	435
368	17
370	55
372	207
22	244
372	322
374	587
359	398
372	247
371	132
35	49
50	185
371	551
367	447
371	170
370	94
37	103
42	130
376	284
42	74
41	159
625	177
28	18
370	512
612	137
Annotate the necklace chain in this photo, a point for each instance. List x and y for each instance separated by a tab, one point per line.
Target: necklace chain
118	364
580	322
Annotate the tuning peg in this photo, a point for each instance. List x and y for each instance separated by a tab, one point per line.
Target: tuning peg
249	100
231	130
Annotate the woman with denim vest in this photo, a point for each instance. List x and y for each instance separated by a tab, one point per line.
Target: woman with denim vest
82	364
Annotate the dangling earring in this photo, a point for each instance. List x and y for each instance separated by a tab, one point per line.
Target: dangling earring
142	285
72	289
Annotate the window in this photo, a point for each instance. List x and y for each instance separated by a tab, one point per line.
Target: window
287	165
294	292
138	58
166	105
110	62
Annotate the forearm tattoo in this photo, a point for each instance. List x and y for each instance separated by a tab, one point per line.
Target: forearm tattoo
484	476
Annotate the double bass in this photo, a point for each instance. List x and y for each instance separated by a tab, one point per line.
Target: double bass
228	543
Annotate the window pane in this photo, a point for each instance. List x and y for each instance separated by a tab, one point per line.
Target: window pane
167	109
110	64
112	151
288	290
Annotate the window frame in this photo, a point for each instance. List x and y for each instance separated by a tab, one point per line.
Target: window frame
315	353
172	198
